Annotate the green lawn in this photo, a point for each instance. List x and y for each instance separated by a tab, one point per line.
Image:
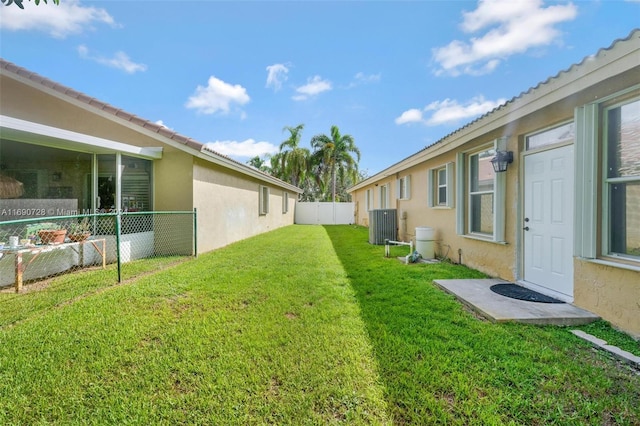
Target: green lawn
302	325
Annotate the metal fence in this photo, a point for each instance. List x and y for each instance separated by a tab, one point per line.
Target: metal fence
32	250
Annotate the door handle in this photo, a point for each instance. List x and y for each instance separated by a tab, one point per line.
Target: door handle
526	228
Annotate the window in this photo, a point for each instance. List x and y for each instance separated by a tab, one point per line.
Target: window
369	199
285	202
384	196
607	147
264	200
481	189
441	186
404	188
557	135
480	194
621	236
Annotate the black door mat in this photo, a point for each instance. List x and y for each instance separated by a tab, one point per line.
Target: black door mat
515	291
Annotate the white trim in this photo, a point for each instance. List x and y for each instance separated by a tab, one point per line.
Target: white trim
285	202
433	186
40	134
404	188
586	181
606	182
450	185
486	239
460	198
384	199
613	264
500	197
263	200
468	218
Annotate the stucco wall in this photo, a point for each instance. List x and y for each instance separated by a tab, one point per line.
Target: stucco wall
227	204
173	181
611	292
18	100
497	260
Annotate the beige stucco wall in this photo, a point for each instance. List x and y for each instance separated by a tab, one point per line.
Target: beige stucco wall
611	292
173	181
227	204
18	100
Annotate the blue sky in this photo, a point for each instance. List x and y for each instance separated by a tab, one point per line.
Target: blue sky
396	75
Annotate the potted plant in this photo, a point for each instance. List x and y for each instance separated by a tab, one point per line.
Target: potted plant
80	231
52	236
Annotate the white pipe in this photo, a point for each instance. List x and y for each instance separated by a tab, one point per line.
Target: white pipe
398	243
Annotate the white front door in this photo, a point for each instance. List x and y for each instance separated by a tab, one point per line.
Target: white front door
548	219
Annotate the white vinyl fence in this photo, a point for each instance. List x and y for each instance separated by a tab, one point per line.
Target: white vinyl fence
317	213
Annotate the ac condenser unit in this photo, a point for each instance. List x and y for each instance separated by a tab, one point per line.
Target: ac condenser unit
383	225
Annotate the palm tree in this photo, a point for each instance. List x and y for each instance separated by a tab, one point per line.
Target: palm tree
336	153
259	163
295	160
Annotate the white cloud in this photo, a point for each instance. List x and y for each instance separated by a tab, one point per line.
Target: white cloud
512	27
217	96
59	21
120	60
449	111
245	149
276	75
314	86
410	116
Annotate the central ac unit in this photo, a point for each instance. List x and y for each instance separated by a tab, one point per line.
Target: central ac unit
383	225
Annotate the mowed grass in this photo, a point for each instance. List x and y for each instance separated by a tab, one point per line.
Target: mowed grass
302	325
266	331
442	365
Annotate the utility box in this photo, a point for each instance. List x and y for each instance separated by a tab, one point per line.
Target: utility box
383	225
425	242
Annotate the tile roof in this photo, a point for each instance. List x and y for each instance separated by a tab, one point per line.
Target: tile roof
98	104
6	66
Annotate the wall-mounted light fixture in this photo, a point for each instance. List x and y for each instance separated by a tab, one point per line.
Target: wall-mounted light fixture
501	160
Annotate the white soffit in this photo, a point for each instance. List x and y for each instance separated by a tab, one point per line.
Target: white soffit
40	134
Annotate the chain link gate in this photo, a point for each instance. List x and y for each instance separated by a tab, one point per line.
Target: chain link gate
32	250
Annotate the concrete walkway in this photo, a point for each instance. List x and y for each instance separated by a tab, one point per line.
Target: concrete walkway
477	295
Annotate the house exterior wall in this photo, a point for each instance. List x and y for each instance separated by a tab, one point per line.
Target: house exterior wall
611	292
173	181
228	206
186	177
607	288
18	100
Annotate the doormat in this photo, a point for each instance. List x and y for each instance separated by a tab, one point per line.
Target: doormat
519	292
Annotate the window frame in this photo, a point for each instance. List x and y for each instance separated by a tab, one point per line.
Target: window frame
608	182
263	200
383	201
285	202
463	195
588	232
471	194
434	185
404	188
368	199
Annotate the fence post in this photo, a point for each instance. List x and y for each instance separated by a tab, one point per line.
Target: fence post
195	232
119	260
